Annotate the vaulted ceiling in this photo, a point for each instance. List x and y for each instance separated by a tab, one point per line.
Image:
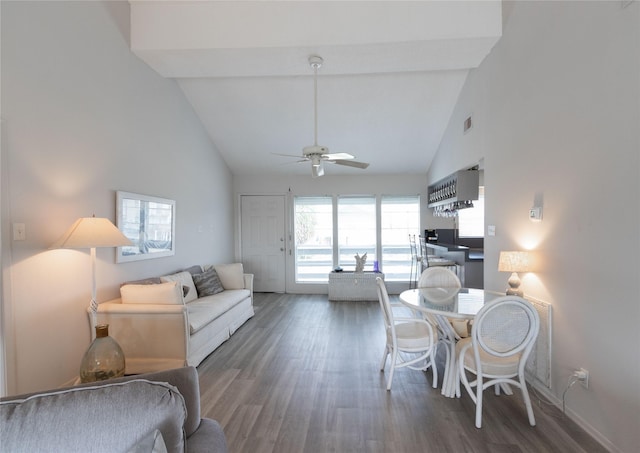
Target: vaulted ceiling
391	75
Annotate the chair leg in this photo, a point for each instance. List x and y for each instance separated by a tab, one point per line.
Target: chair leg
479	392
434	368
394	357
527	401
411	274
384	358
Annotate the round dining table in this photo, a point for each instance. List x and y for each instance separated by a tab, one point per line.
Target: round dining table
444	305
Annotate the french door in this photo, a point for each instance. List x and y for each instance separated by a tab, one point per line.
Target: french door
263	244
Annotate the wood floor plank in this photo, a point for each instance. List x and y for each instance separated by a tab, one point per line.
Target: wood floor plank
303	376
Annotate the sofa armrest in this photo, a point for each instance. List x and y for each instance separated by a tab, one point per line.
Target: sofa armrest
153	337
248	283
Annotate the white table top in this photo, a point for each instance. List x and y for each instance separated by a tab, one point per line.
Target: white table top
463	303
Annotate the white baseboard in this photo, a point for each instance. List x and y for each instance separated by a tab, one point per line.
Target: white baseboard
606	443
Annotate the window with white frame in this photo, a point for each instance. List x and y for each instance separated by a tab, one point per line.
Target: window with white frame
356	230
356	220
313	218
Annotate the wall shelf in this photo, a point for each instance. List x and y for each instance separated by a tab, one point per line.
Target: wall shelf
459	187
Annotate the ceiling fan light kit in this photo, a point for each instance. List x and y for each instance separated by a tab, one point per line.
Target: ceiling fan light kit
315	153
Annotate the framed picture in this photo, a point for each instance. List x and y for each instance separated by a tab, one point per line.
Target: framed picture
149	222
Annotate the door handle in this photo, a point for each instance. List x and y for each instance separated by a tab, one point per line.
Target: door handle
281	249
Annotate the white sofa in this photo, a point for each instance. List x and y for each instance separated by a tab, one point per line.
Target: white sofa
173	321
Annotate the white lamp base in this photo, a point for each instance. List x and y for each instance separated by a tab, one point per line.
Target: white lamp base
514	285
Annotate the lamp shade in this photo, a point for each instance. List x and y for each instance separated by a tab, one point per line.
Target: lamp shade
90	232
515	262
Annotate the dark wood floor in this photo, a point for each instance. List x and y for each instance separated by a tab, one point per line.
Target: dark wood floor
302	376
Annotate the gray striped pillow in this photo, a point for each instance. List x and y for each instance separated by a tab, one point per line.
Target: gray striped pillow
208	283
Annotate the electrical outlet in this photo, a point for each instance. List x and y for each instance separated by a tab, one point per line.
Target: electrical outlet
583	377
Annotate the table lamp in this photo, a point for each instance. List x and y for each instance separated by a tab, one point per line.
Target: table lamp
515	262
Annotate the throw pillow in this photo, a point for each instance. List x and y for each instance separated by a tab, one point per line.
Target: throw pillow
193	270
169	293
185	279
154	281
231	275
207	283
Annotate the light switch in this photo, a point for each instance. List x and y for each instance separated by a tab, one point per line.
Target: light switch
535	214
19	232
491	230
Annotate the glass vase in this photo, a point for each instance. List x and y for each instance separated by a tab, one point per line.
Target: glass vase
104	359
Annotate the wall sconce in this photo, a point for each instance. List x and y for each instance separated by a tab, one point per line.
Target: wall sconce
515	262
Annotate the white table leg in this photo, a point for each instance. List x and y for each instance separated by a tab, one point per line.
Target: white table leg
450	368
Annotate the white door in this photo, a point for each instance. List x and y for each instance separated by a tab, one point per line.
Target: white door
263	241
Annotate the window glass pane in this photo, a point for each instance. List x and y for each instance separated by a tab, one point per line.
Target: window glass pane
313	218
356	231
471	220
400	216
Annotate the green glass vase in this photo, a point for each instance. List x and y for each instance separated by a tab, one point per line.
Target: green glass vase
104	359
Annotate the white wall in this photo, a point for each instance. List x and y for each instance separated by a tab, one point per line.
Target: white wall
556	113
83	118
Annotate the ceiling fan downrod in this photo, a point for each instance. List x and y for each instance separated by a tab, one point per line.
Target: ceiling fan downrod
316	63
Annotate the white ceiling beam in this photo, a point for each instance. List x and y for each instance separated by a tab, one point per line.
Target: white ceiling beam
261	38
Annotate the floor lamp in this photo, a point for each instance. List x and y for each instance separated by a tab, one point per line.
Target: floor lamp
92	232
104	359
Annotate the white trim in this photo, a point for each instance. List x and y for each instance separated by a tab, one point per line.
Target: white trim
602	440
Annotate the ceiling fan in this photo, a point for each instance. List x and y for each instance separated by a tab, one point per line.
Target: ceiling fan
315	153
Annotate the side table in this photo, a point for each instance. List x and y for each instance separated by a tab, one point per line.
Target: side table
353	286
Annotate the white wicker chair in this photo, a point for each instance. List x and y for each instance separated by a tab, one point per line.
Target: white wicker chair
438	277
441	277
502	337
410	341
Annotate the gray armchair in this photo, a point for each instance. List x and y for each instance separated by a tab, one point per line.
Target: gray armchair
145	412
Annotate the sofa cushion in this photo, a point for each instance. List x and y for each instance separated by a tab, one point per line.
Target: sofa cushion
94	418
208	283
151	443
185	279
208	308
231	275
169	293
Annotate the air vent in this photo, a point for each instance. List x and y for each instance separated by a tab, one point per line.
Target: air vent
467	125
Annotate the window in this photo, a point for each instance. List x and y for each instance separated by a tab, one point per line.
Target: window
313	217
400	216
355	224
356	231
471	220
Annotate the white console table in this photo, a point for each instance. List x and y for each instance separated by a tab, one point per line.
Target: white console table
353	286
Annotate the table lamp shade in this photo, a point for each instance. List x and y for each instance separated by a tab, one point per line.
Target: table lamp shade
89	232
515	262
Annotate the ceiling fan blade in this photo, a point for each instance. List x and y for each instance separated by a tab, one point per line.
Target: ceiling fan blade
338	156
350	163
317	170
292	155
